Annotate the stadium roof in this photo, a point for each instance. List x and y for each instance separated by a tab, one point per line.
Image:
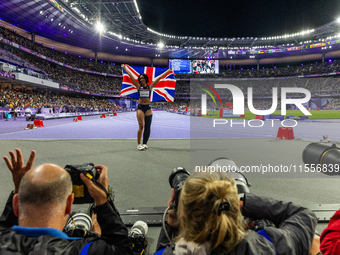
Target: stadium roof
246	18
73	22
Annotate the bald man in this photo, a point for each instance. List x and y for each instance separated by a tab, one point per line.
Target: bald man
37	210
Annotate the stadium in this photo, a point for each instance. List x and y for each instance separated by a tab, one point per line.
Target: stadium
62	60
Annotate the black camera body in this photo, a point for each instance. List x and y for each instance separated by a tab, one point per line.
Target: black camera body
257	225
81	193
137	237
139	243
177	179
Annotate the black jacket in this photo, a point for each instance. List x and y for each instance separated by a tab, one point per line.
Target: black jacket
293	234
114	238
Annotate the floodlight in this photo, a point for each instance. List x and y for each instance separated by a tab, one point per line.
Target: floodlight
100	27
160	45
338	20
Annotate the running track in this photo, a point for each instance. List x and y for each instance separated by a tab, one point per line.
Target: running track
165	125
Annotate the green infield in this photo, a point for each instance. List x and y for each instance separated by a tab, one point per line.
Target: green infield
321	114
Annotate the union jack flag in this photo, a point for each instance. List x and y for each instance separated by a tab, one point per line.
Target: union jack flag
163	91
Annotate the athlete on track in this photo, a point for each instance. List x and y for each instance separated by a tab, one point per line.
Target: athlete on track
144	110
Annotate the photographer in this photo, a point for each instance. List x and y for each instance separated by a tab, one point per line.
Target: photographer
330	237
209	221
36	213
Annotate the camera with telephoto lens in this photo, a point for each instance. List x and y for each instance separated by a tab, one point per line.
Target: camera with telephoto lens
229	166
242	184
322	158
79	225
176	179
137	237
179	175
81	193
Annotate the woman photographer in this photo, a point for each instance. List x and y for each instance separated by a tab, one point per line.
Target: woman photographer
210	221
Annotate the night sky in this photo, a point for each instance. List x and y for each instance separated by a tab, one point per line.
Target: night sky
242	18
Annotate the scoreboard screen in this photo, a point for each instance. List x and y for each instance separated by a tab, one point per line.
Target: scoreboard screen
180	65
205	66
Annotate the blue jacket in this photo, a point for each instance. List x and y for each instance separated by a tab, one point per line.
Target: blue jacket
22	240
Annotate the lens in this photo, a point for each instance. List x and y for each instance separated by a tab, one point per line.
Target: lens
80	220
319	155
229	166
139	228
178	177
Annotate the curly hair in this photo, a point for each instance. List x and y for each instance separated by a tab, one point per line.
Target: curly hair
145	77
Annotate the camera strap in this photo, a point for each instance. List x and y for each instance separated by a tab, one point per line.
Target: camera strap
109	196
98	184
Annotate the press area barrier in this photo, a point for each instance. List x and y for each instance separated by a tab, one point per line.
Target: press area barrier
153	216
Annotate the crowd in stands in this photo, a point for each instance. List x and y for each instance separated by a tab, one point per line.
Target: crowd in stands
6	74
334	104
20	98
263	88
178	104
85	81
106	85
68	78
289	71
75	61
59	56
8	56
12	63
33	99
259	104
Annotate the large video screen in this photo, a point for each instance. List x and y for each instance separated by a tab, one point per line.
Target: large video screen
180	65
194	66
205	66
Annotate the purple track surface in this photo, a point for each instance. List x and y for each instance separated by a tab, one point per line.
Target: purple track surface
124	126
165	125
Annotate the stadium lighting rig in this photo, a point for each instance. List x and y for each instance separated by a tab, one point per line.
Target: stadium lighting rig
160	45
268	43
100	27
137	9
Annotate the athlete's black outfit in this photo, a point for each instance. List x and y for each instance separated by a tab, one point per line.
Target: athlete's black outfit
145	92
144	107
